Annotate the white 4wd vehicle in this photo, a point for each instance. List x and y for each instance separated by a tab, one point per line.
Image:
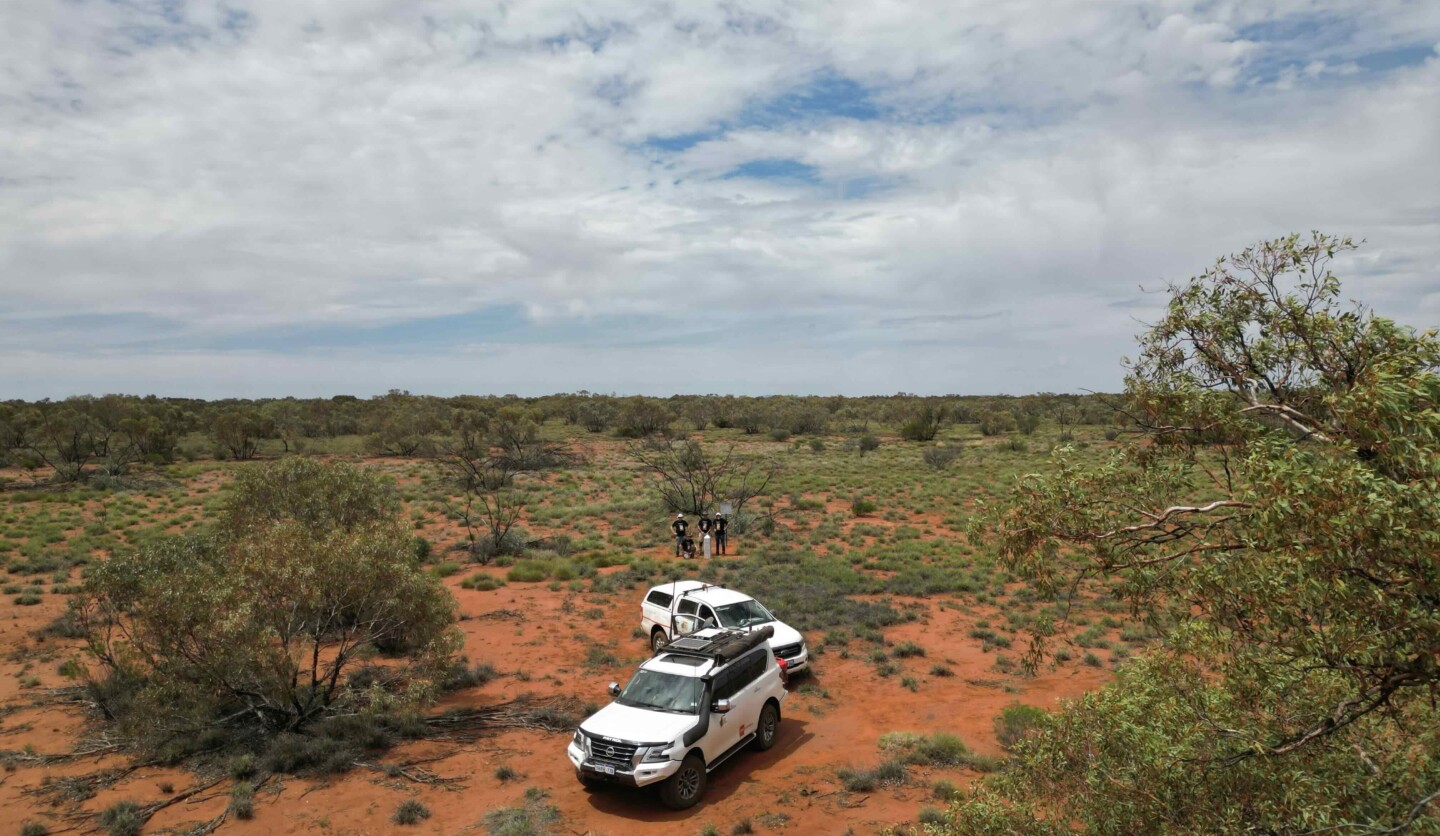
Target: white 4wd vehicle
677	608
700	700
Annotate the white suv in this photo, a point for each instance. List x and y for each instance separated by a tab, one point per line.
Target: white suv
700	700
668	609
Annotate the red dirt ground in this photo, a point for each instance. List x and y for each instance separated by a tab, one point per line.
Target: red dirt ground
525	627
543	635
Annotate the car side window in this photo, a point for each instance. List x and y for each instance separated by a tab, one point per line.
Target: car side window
709	615
725	685
660	599
747	671
687	606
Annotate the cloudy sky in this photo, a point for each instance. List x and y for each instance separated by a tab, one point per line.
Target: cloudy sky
801	196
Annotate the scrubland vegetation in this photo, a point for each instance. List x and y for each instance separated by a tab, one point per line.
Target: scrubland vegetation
1244	542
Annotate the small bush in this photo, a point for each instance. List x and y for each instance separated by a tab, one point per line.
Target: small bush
528	571
469	677
742	827
1015	723
945	790
867	443
410	811
35	828
122	819
905	650
861	507
857	780
599	657
505	773
535	817
931	816
940	458
242	801
941	670
482	582
446	569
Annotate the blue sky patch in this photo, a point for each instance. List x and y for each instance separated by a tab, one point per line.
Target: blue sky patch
774	169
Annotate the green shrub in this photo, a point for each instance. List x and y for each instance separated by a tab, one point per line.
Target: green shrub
34	828
939	458
242	801
855	779
410	811
861	507
528	571
482	582
446	569
122	819
533	818
1015	723
907	649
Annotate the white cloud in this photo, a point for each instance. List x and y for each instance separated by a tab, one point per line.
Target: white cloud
381	162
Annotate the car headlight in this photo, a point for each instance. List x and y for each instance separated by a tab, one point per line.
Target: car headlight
579	740
657	754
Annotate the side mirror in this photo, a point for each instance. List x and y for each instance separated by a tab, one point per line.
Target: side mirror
614	689
686	624
721	707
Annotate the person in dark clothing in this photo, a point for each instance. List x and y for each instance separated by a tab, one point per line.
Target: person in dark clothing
704	525
687	547
719	526
679	527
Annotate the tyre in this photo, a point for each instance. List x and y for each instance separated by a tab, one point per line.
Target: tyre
768	729
684	788
657	640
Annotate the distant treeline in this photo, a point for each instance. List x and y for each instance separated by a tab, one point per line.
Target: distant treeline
86	435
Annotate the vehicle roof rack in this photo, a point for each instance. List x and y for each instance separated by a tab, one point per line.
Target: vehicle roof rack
720	648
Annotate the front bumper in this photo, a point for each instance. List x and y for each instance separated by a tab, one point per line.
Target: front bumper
798	662
639	776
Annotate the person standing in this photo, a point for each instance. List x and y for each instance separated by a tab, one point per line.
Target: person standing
679	527
719	526
704	524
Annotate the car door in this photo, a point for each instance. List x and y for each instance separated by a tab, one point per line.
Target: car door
655	610
745	699
753	692
709	615
721	735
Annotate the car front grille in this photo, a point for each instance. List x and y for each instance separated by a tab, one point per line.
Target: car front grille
614	753
789	651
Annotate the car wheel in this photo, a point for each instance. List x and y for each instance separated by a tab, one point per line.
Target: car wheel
658	640
685	787
768	729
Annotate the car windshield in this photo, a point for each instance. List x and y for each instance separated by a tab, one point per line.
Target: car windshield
743	614
662	692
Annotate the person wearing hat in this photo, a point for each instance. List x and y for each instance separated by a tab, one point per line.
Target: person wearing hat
719	526
704	525
679	527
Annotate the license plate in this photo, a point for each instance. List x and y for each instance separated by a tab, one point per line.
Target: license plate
608	770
